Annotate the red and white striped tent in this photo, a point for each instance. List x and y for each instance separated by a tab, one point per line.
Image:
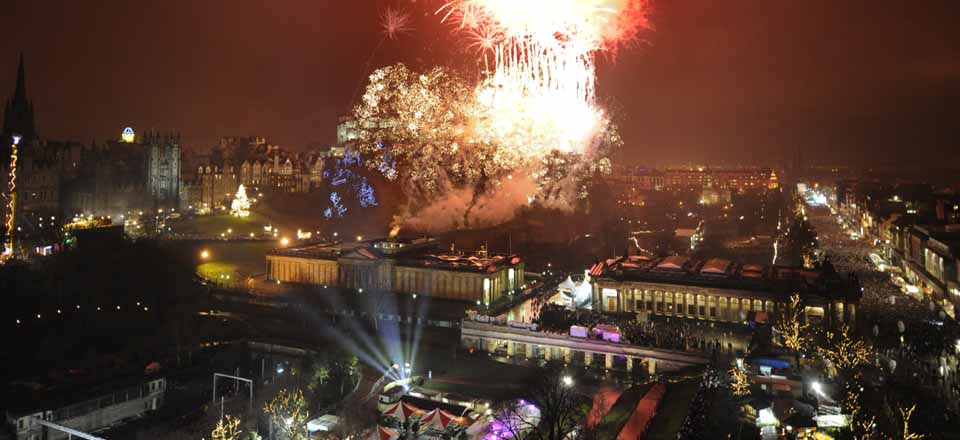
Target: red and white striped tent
383	433
597	269
437	419
401	411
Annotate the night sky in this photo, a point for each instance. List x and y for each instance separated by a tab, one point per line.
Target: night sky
716	81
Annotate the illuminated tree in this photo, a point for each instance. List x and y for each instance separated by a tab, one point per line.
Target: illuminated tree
550	408
288	411
337	204
240	207
791	326
845	351
862	425
228	428
367	195
905	415
332	374
739	383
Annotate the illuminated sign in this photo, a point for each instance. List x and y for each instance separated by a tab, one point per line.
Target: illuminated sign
128	135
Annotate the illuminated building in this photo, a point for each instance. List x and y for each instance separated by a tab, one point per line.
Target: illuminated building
695	178
83	405
718	290
57	180
40	165
211	180
163	168
113	177
400	266
631	182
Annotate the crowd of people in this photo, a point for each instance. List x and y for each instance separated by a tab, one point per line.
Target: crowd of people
657	332
910	333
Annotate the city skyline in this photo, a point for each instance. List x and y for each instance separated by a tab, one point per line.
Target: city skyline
710	83
540	219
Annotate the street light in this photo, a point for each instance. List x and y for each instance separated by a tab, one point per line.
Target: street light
204	254
567	381
284	241
817	388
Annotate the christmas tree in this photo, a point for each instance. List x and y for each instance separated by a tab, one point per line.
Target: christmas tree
241	205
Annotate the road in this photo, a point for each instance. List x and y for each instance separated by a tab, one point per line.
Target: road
913	338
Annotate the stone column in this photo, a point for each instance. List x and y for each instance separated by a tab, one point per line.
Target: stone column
567	355
529	351
629	364
609	362
546	353
652	366
587	358
511	348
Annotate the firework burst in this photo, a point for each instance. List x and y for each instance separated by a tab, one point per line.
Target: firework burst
541	94
395	23
529	131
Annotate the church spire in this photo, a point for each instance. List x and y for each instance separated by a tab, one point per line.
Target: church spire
18	114
20	93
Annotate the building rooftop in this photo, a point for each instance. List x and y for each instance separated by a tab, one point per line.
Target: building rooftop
51	393
726	274
468	262
420	252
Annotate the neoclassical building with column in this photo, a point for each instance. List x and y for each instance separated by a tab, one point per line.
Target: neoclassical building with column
720	290
410	267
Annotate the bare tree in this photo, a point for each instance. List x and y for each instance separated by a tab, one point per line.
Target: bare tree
739	383
549	408
845	351
288	412
905	416
790	325
228	428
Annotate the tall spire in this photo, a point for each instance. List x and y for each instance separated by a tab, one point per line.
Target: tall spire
20	93
18	113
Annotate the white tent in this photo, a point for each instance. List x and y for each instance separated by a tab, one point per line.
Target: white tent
567	285
584	291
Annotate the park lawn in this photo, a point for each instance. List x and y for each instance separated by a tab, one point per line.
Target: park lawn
234	258
612	423
673	410
215	224
213	271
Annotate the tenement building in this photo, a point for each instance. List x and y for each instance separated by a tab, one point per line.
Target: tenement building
402	266
720	290
79	404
